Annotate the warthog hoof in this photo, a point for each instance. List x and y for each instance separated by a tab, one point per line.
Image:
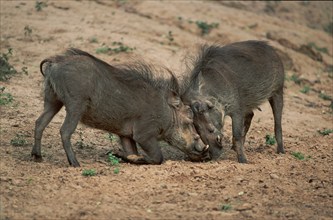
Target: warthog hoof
136	159
242	159
37	158
280	150
73	162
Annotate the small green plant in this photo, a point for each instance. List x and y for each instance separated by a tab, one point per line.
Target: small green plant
111	137
93	40
121	2
170	36
30	180
6	69
320	49
116	170
27	31
18	140
329	28
325	131
305	89
118	48
329	68
25	70
305	2
39	5
80	142
114	161
298	155
295	79
205	27
89	172
5	98
103	49
270	140
270	8
226	207
325	96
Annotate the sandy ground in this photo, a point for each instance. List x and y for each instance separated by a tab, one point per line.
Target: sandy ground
270	186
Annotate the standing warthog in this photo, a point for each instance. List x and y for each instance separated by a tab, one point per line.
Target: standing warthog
125	100
234	80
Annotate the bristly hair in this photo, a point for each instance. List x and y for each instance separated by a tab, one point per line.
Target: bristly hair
156	76
207	55
196	64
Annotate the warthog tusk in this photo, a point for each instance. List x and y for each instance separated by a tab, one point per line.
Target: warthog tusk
202	149
218	138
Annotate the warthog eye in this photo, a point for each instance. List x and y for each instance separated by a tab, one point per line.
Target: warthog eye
211	128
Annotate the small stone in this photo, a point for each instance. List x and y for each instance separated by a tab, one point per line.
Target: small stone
193	194
16	182
241	193
274	176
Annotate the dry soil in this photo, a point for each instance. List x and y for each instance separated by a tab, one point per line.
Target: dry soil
270	186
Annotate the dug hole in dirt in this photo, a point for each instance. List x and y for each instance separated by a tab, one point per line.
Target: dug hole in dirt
296	185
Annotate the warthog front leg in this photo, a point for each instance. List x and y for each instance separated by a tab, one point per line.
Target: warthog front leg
238	137
240	129
152	149
130	153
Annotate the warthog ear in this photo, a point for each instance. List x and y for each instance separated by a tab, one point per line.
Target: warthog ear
209	104
174	99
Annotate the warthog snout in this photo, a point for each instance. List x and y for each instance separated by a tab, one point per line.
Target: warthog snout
186	137
200	152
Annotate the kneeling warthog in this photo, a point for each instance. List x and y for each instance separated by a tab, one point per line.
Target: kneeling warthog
126	100
234	80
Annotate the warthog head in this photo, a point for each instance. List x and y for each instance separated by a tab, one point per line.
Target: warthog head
208	121
184	136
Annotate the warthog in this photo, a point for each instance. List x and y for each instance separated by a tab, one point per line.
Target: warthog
126	100
234	80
